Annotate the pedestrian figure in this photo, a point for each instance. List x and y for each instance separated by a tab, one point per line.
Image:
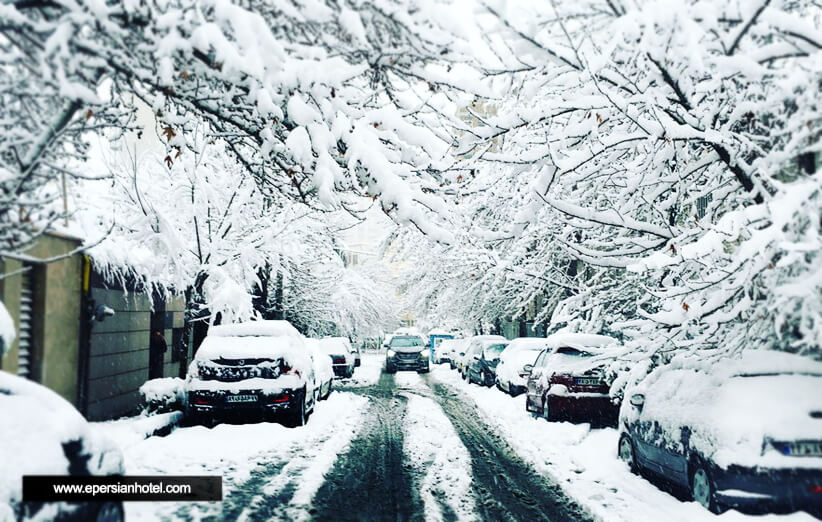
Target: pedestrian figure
156	354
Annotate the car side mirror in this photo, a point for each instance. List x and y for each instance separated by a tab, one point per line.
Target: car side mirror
638	400
527	368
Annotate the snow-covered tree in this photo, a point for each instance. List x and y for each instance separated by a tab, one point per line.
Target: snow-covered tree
318	101
654	160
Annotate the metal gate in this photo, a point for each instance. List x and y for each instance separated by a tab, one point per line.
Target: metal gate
24	343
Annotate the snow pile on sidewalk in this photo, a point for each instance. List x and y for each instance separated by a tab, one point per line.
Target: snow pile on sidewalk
131	430
584	462
440	459
164	394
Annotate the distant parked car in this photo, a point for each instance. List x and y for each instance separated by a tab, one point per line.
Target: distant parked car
457	352
481	368
43	434
253	369
444	350
742	433
407	352
512	376
357	356
341	353
323	370
567	380
474	347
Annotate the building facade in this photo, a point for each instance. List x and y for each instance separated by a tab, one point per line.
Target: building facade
85	337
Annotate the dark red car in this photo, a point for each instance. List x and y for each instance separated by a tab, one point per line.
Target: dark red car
567	380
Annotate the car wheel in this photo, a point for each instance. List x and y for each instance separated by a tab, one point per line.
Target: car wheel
110	512
299	417
702	488
626	453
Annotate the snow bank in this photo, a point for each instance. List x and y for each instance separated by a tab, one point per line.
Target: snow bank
439	458
164	394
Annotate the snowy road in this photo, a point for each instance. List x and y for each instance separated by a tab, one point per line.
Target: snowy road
406	447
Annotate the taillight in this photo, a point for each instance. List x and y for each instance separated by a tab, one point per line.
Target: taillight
202	401
816	489
279	399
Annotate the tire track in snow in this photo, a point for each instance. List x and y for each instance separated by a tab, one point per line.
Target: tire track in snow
440	460
506	488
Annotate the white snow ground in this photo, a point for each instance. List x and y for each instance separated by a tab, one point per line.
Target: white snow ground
441	460
367	374
234	451
583	461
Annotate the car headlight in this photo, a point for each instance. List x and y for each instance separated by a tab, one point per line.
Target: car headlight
424	354
390	353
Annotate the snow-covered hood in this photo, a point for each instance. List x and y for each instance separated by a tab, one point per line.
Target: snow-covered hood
408	349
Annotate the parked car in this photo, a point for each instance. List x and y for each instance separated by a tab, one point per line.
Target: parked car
323	370
43	434
444	350
481	368
407	352
742	433
567	380
258	369
474	346
512	376
341	353
357	356
457	352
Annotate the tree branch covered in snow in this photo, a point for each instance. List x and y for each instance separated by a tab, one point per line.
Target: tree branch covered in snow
648	173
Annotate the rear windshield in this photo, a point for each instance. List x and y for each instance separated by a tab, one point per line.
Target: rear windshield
567	350
493	351
404	342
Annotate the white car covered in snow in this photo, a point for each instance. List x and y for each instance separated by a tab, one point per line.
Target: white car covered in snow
255	369
741	432
323	371
341	354
43	434
444	350
512	376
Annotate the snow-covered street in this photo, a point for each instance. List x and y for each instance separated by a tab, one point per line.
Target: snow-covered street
409	447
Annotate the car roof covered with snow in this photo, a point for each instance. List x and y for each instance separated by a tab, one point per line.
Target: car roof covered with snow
579	340
733	405
334	345
322	362
35	422
271	328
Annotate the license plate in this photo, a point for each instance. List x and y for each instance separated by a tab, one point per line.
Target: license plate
806	448
586	381
241	398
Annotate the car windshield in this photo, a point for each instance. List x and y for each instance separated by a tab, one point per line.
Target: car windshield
405	342
492	352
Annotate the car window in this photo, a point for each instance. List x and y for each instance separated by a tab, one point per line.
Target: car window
576	352
492	351
540	359
405	342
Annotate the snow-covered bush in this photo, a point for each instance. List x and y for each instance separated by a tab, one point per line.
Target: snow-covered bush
163	395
